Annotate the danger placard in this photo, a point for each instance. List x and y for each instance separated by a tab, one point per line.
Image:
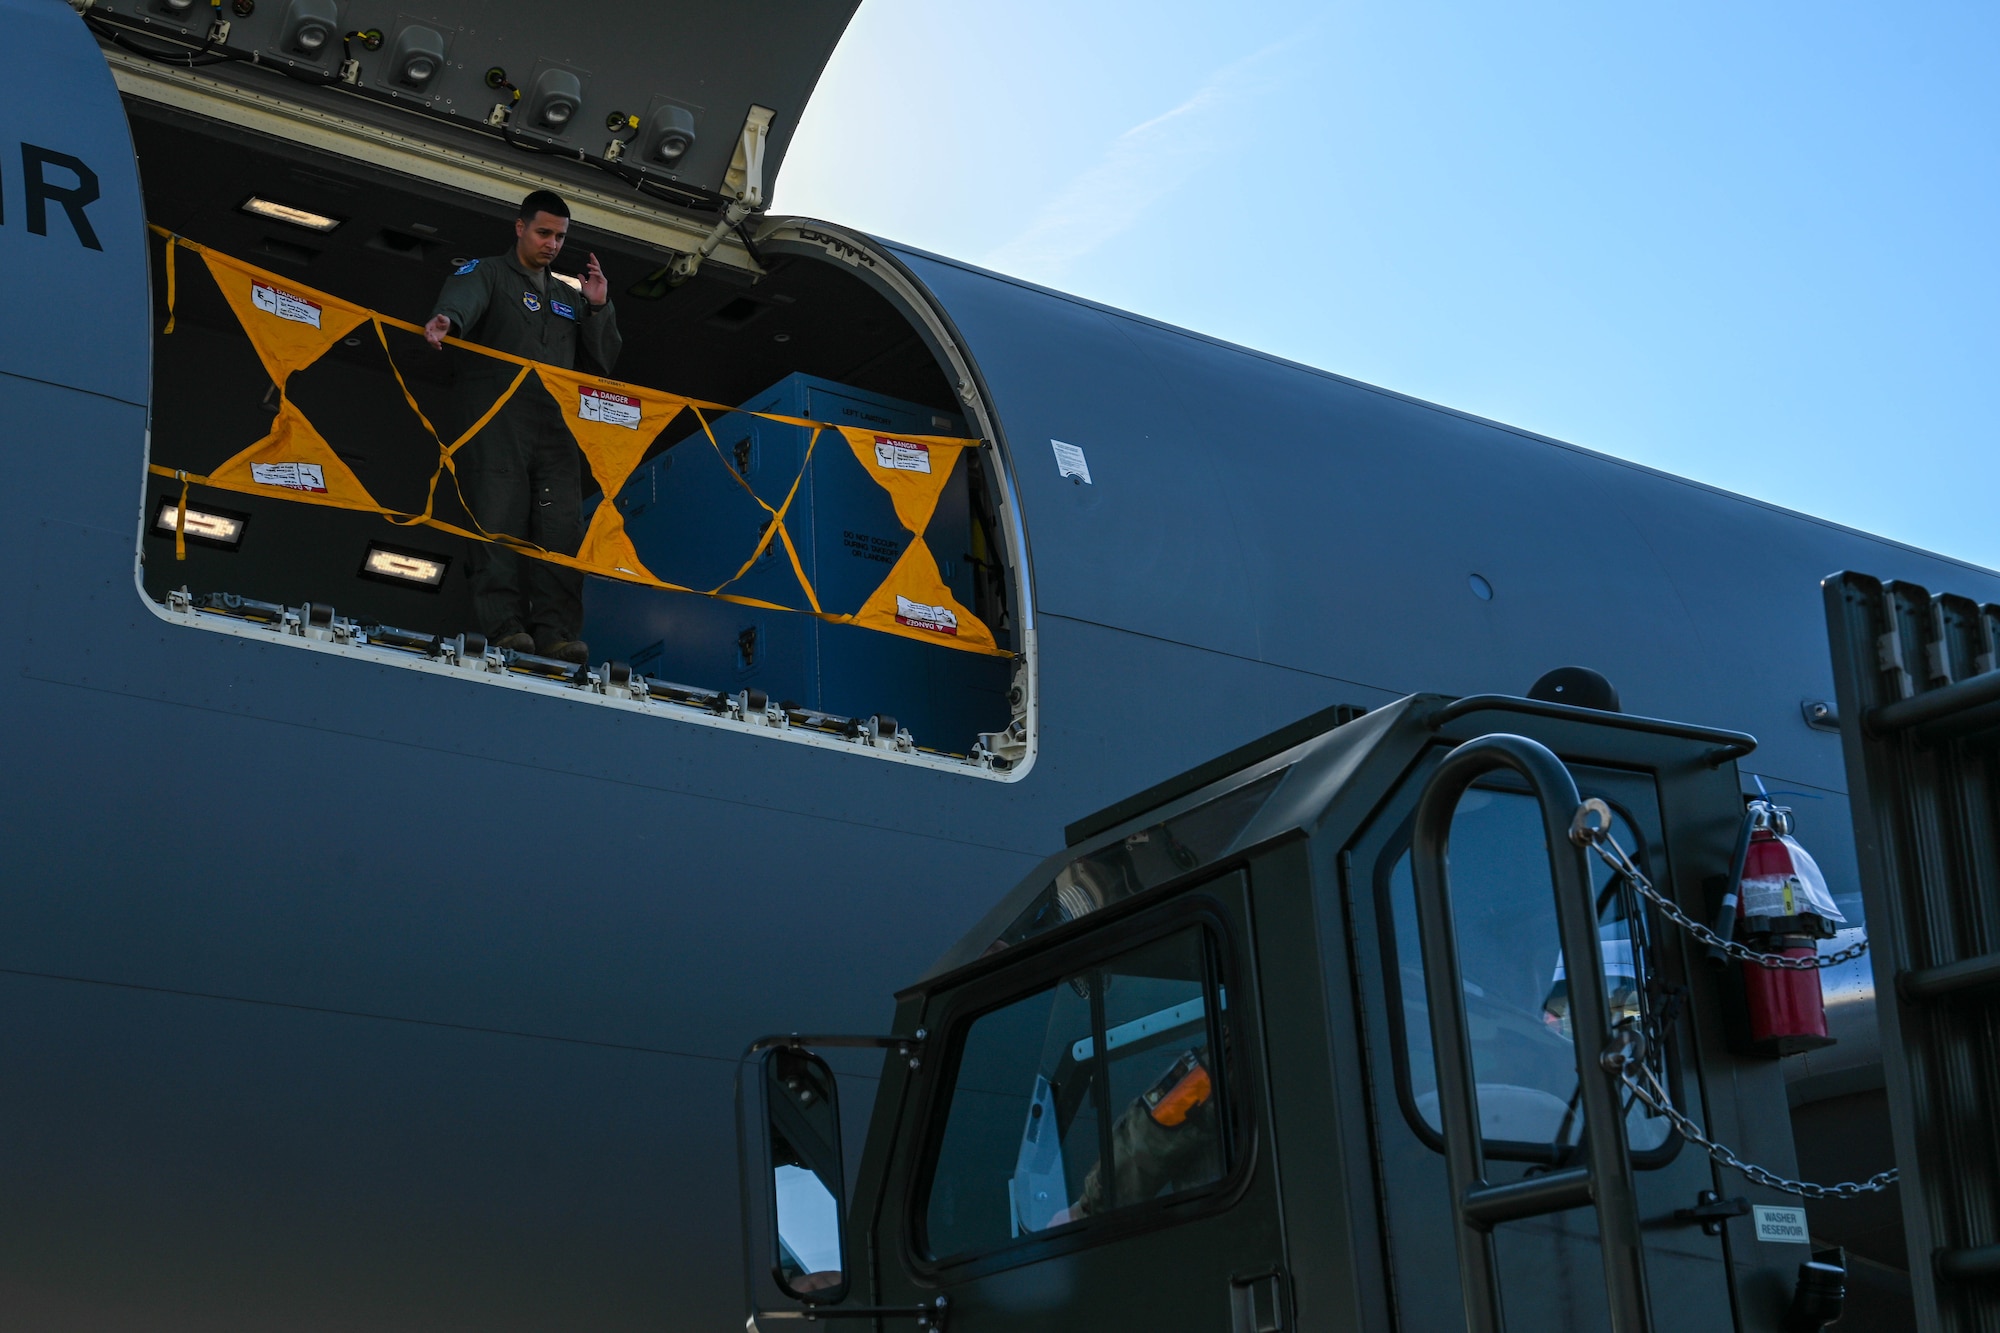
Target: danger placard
291	476
902	455
936	619
276	301
613	409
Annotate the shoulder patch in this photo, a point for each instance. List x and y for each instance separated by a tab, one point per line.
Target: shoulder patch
530	300
465	268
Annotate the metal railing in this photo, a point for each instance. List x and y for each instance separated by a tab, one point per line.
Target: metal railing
1602	1053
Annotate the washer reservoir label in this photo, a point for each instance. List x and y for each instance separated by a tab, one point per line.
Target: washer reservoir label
902	455
614	409
1784	1226
292	476
283	304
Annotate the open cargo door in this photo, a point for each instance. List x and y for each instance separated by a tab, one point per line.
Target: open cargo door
693	101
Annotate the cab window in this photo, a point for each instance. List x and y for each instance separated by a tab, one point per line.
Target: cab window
1516	987
1118	1063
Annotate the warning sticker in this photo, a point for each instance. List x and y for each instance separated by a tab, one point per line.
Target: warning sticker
1804	890
936	619
1781	1226
1070	463
274	301
902	455
292	476
613	409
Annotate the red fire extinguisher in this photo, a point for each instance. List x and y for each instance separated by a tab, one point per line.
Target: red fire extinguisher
1783	908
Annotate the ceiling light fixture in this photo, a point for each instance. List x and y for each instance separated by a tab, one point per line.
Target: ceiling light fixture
557	95
221	528
391	564
670	134
286	213
417	56
308	27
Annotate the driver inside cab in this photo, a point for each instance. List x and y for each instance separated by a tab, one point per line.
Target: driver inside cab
1165	1141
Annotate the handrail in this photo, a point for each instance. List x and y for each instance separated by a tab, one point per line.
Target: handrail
1476	1204
1731	744
1961	696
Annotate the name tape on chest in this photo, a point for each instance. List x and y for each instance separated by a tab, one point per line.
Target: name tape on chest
902	455
936	619
613	409
566	311
277	301
291	476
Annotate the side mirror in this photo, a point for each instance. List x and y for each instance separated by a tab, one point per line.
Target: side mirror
806	1185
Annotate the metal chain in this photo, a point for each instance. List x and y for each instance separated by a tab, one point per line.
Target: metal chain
1601	841
1655	1096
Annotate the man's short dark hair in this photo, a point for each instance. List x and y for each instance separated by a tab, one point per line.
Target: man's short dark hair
543	201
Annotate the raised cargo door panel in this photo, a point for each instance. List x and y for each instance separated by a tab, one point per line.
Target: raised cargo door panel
690	70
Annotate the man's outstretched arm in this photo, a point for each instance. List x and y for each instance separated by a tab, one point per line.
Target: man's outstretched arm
460	305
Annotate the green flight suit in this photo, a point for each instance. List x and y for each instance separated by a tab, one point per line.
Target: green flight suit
522	475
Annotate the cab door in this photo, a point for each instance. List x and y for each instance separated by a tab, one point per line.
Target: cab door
1096	1151
1551	1278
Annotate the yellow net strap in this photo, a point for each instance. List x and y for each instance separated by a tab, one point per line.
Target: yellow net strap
928	611
445	451
775	526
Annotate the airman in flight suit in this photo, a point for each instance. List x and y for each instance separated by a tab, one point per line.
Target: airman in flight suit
521	475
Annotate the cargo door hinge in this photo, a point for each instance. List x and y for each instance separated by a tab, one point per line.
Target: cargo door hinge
743	183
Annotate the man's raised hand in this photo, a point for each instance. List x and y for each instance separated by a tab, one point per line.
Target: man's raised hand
596	289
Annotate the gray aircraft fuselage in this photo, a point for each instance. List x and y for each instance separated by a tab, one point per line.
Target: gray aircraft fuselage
337	995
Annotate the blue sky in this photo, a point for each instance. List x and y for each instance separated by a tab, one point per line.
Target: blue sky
1751	245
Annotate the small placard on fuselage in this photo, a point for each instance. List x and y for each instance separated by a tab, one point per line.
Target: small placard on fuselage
1782	1226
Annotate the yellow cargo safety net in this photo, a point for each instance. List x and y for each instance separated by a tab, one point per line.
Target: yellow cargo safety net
614	423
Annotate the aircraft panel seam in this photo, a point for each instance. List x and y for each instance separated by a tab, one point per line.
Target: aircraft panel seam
139	403
1031	854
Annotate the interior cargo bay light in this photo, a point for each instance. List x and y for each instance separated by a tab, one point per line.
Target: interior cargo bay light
210	527
308	28
392	564
417	57
286	213
670	135
553	101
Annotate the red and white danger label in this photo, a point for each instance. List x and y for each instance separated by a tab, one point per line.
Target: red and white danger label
902	455
276	301
936	619
292	476
613	409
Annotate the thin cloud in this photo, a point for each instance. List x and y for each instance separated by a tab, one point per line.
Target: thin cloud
1141	167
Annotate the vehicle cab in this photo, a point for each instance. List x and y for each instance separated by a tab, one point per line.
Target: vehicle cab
1187	1074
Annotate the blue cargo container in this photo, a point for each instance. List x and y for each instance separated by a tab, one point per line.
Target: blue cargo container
692	522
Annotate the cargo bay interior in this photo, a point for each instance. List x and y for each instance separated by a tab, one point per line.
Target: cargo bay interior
807	338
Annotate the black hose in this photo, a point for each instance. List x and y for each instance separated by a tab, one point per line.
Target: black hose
184	58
